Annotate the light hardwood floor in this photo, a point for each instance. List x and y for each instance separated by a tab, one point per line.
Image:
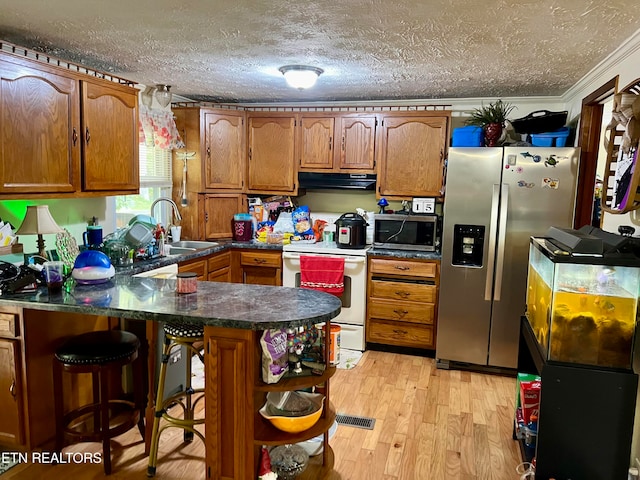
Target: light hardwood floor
430	425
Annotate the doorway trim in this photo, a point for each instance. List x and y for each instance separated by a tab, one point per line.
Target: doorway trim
588	141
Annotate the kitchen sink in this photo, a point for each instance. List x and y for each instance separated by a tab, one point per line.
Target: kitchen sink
192	244
189	246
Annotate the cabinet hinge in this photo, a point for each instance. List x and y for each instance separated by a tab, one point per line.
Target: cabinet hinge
206	217
208	469
249	153
208	354
375	122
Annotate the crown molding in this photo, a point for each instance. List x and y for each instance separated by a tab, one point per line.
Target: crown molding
601	73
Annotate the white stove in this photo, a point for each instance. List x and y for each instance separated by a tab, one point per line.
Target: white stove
354	298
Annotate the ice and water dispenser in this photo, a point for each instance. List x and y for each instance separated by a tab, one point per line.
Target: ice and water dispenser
468	245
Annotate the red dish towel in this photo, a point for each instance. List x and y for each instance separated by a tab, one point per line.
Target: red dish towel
322	273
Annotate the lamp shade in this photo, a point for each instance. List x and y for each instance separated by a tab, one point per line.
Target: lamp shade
300	76
163	95
37	221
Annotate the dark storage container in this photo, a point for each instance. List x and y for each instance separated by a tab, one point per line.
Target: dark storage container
540	121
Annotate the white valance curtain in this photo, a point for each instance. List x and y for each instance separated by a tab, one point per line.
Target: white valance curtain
158	129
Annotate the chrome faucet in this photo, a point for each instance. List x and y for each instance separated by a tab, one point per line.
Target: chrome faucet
171	202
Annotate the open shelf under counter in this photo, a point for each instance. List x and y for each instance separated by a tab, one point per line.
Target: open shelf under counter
266	434
295	383
317	468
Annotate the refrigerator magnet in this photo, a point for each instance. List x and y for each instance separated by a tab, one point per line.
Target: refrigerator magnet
523	184
550	183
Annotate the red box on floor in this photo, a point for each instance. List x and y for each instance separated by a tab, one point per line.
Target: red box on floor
529	399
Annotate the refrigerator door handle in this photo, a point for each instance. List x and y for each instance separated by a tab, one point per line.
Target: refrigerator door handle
502	233
495	203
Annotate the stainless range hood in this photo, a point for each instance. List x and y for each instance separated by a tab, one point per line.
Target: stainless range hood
357	181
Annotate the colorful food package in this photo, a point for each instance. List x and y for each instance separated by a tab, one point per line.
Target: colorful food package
318	228
275	356
530	399
301	218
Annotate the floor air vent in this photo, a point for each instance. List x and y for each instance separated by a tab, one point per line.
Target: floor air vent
353	421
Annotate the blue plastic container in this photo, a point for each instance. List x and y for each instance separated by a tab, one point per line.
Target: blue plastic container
469	136
557	138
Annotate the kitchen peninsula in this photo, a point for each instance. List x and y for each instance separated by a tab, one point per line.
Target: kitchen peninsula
234	315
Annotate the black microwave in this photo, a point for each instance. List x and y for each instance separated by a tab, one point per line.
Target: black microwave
407	232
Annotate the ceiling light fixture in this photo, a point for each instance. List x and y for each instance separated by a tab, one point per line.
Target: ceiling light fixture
300	76
163	95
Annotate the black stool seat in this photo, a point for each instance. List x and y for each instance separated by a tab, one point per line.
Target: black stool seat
97	348
184	330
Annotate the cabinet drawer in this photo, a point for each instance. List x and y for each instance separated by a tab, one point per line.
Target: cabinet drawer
414	292
400	333
9	325
198	267
261	259
385	266
403	311
219	261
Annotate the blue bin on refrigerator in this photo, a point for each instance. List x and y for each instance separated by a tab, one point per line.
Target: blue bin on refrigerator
557	138
469	136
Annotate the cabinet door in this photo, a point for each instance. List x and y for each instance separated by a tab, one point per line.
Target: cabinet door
11	417
216	214
261	268
411	155
220	267
272	154
316	142
39	130
357	139
110	138
223	150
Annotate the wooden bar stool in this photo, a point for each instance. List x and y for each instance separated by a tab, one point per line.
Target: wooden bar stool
175	336
102	354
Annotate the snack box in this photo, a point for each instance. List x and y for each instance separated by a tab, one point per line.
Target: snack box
524	377
557	138
529	399
468	136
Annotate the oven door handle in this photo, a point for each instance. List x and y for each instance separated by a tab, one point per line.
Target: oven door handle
296	256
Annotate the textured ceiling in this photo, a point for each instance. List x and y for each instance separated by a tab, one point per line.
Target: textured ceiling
230	50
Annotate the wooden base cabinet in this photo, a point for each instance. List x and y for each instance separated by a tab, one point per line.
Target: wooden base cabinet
235	393
402	302
28	339
258	267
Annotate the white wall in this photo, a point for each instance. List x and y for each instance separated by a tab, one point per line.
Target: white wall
623	63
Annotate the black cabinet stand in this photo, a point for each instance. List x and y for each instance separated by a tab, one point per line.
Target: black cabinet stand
586	416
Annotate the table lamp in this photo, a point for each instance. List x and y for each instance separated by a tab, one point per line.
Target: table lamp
38	221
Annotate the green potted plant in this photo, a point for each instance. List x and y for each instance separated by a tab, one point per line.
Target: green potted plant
491	118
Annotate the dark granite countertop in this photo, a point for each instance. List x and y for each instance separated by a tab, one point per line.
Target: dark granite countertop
408	254
152	264
230	305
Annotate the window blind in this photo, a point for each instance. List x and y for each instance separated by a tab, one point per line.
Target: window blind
155	166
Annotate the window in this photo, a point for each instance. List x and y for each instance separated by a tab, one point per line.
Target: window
155	181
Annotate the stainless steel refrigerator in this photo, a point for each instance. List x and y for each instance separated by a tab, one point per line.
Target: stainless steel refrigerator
495	199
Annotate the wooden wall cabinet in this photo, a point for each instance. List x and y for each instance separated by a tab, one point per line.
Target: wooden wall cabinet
216	213
402	302
216	170
338	142
223	149
271	153
110	138
64	133
411	148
